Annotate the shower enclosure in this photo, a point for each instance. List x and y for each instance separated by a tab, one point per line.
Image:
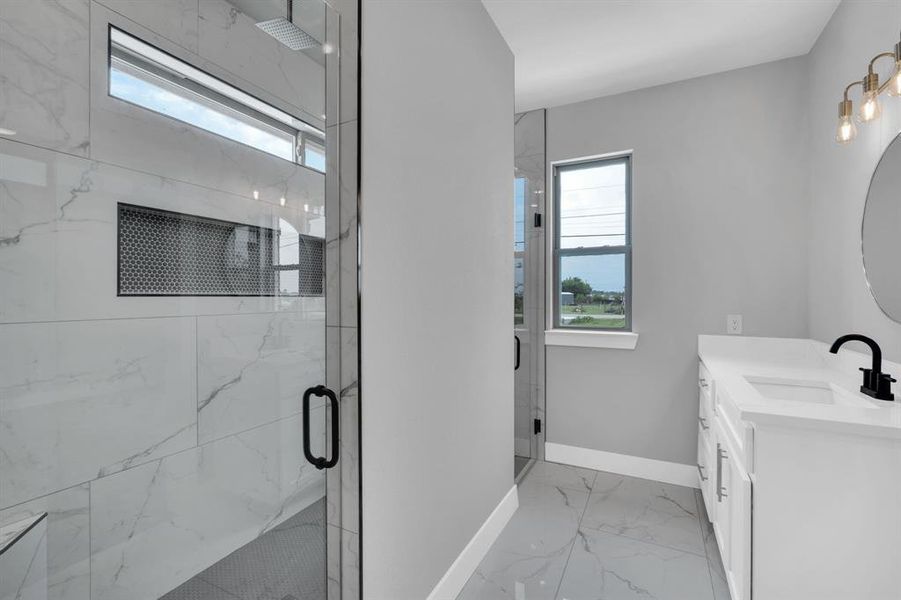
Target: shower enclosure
529	288
178	350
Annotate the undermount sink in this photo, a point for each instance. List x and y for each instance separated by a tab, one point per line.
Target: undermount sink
810	392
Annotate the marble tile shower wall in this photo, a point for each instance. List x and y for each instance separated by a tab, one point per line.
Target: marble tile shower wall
342	338
158	433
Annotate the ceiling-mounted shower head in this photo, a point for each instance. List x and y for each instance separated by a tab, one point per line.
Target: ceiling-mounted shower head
286	32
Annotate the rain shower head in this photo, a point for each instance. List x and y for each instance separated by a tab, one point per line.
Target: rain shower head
286	32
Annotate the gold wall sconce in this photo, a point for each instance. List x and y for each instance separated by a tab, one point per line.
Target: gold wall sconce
870	107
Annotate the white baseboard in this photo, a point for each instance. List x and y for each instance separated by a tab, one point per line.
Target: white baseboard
623	464
466	563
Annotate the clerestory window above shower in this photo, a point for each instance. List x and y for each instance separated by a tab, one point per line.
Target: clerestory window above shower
146	76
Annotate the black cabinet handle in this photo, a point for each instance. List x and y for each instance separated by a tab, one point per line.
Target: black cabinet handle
318	461
516	359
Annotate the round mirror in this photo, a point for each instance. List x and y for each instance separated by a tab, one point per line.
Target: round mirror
882	232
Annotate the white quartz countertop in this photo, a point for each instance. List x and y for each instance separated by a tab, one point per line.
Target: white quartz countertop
735	363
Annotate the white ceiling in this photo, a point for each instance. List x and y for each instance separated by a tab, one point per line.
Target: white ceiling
572	50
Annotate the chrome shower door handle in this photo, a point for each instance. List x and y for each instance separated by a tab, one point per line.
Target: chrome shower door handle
321	462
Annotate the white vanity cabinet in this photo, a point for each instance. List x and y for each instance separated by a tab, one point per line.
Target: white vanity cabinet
804	498
732	523
706	444
725	484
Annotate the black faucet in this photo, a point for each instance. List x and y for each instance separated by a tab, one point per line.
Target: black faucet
875	383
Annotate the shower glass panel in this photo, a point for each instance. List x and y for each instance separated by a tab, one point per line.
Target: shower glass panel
163	410
528	291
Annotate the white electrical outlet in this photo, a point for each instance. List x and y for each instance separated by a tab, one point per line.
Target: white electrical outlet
733	324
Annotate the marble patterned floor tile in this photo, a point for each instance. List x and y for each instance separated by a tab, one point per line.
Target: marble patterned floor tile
612	567
645	510
563	476
714	560
545	523
512	576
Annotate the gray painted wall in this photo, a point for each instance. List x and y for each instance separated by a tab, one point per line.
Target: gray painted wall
719	227
437	370
840	301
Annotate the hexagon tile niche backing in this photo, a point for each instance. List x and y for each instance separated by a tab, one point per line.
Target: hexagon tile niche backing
164	253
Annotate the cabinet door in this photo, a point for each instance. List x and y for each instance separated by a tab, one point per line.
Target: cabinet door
706	471
722	523
733	518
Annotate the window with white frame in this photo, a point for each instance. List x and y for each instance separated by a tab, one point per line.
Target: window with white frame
592	244
150	78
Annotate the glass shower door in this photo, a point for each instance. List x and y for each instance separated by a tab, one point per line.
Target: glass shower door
522	321
529	289
164	426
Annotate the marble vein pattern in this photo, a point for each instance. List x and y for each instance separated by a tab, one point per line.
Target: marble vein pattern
613	567
253	369
58	237
529	557
155	526
23	565
44	73
333	226
350	565
143	140
68	543
344	497
288	561
645	510
529	138
348	233
552	548
176	20
232	39
349	66
84	399
717	570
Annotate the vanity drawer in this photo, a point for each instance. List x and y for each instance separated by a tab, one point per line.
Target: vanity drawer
705	381
707	472
731	427
705	415
705	392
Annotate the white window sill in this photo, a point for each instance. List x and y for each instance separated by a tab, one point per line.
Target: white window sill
619	340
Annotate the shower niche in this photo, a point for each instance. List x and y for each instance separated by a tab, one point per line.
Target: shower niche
166	253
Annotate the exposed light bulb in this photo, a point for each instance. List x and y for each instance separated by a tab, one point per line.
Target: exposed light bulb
846	131
894	85
870	107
